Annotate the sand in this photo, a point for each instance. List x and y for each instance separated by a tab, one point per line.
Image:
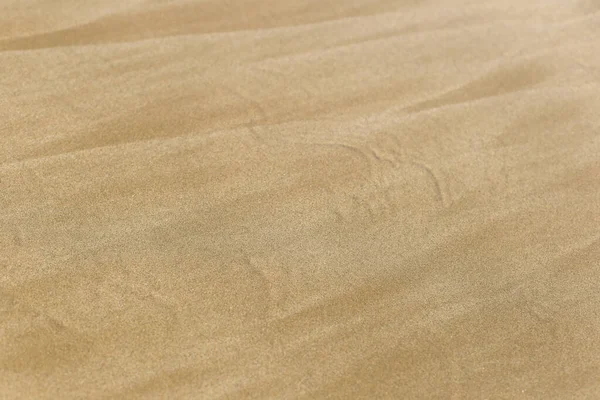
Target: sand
277	199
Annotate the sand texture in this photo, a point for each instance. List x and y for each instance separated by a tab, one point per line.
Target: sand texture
279	199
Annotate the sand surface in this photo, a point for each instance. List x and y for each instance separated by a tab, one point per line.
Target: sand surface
278	199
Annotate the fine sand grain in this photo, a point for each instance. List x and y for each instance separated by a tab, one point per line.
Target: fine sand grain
278	199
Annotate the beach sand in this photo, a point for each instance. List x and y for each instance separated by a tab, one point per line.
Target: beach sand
270	199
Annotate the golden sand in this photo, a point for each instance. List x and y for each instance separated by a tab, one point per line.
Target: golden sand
277	199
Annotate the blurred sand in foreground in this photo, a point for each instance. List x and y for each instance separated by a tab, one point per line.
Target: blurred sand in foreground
270	199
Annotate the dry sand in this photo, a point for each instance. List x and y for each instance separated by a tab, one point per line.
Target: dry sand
299	199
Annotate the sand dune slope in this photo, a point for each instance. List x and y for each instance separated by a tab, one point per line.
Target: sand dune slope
300	199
